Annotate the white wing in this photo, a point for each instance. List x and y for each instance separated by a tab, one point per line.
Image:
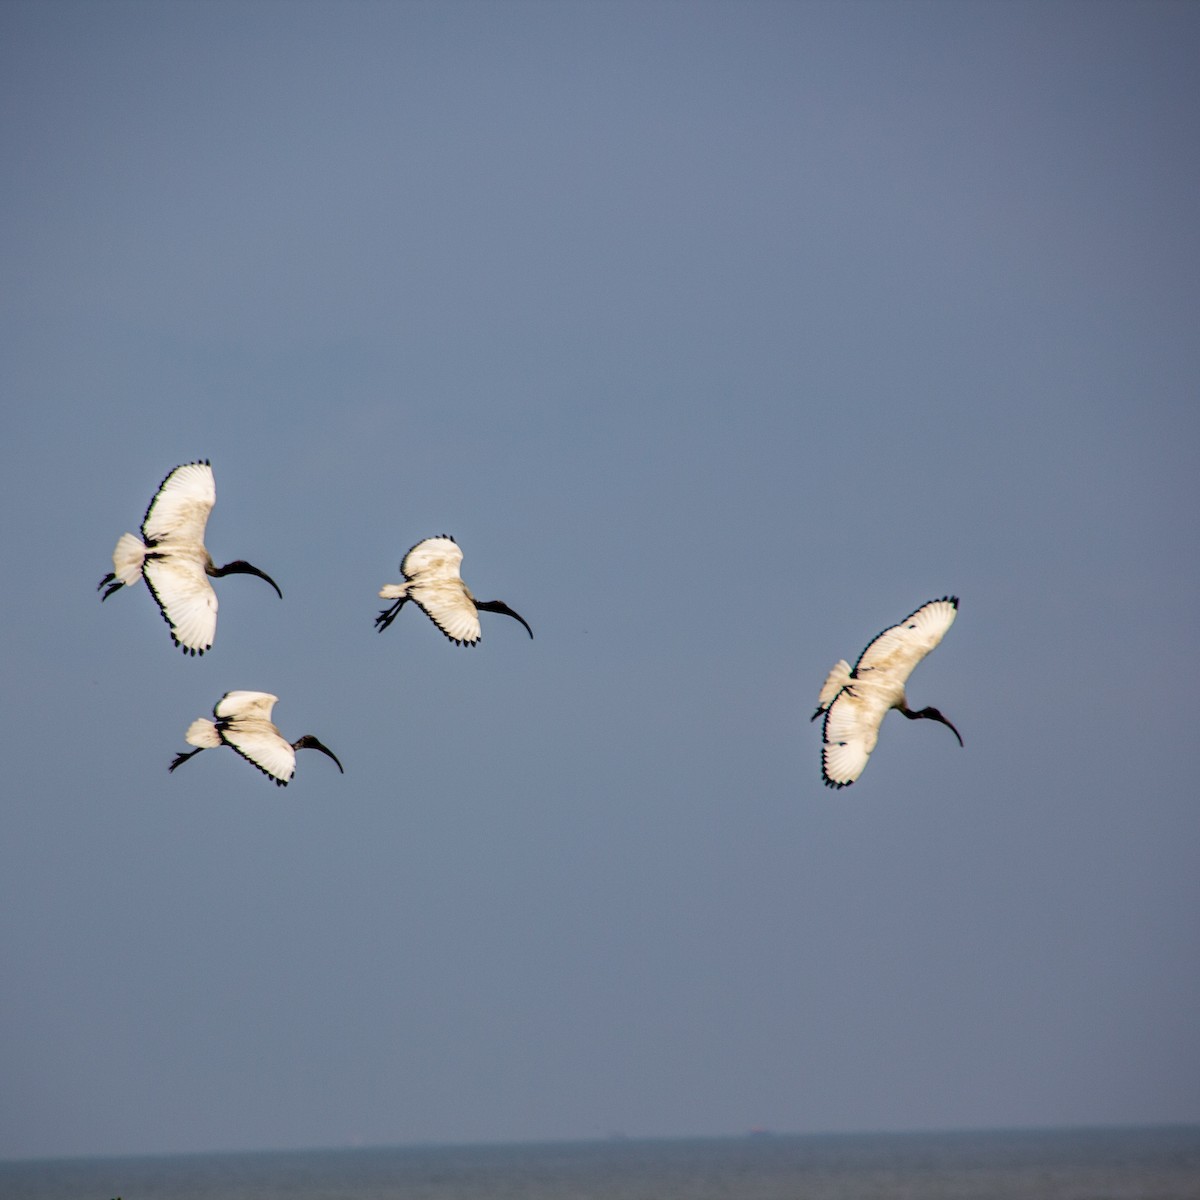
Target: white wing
876	684
234	706
850	732
434	558
265	748
180	508
435	584
449	606
896	651
247	728
181	589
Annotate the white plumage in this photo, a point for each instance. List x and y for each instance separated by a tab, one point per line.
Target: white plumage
243	723
171	557
432	580
855	700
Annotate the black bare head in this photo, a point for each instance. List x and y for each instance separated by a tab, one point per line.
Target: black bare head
308	742
243	568
932	714
498	606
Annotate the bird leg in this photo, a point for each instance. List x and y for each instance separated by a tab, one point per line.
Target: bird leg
180	759
388	615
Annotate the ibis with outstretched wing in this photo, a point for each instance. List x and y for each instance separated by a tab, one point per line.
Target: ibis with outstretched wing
171	557
243	723
432	581
855	700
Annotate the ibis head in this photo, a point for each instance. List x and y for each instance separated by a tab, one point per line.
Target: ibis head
931	714
308	742
240	567
498	606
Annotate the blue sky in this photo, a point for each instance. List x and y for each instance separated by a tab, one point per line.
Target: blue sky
720	336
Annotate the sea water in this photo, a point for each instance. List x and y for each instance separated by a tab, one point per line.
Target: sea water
1081	1164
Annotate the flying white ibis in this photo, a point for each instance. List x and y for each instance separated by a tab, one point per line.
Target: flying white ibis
856	701
171	557
431	578
244	724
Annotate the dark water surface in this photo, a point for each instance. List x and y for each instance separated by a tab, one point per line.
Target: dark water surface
1080	1164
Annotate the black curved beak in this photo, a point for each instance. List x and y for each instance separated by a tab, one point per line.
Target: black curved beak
308	742
498	606
934	715
244	568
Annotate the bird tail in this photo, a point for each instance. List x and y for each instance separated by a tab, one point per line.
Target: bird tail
838	678
128	558
202	733
393	591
